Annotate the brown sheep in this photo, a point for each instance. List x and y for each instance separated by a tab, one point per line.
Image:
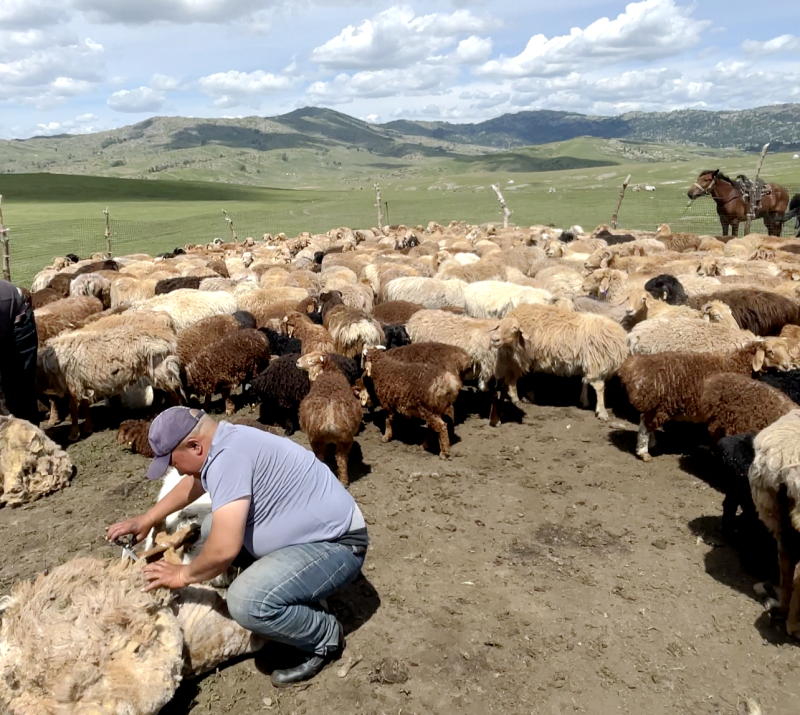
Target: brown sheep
330	413
233	360
63	315
41	298
134	433
759	311
395	312
314	338
736	404
413	390
193	339
669	384
447	357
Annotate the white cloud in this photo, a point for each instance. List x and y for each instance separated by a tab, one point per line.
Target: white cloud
83	124
417	80
397	38
473	50
144	12
782	43
43	69
648	30
143	99
31	14
163	83
229	89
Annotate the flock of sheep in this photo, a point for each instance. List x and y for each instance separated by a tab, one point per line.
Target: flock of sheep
319	327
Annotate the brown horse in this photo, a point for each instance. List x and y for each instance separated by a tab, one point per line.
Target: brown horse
732	206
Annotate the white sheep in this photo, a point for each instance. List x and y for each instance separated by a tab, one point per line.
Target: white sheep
187	306
430	292
775	486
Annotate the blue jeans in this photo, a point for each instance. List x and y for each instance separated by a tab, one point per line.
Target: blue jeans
278	595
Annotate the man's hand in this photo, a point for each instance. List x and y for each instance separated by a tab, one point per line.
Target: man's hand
163	574
139	526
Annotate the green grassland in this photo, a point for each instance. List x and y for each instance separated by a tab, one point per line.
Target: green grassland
309	188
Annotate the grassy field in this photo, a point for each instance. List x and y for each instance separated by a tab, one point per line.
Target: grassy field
51	214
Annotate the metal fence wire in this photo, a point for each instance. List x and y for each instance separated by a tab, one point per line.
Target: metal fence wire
35	245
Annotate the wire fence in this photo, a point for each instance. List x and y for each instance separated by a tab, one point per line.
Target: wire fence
34	245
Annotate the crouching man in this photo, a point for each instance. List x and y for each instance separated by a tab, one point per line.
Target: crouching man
277	508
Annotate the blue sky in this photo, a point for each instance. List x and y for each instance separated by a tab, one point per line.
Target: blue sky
89	65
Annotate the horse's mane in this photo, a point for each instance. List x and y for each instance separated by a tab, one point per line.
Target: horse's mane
720	175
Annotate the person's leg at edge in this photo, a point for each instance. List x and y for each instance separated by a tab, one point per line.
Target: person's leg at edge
278	597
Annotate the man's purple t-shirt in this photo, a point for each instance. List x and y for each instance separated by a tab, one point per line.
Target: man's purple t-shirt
294	498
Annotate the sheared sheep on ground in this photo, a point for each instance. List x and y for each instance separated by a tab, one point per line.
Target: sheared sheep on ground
31	464
86	639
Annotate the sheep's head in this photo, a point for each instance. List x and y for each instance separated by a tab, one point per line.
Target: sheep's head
313	364
637	302
368	356
762	253
290	322
507	332
555	249
716	311
663	231
709	267
772	352
248	258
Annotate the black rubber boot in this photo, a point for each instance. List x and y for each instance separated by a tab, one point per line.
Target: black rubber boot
309	667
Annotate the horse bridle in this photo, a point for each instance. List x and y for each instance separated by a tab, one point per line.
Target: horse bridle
707	189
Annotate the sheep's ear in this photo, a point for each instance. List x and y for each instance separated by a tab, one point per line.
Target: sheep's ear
664	295
526	337
368	368
758	360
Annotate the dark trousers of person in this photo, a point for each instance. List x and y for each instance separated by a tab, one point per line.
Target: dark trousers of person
18	351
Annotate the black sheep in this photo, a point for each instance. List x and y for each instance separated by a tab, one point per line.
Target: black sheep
73	258
794	213
170	284
787	382
736	454
613	239
318	256
667	288
315	317
281	344
282	386
107	265
396	336
245	319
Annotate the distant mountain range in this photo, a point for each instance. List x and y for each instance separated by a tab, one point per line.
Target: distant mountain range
178	144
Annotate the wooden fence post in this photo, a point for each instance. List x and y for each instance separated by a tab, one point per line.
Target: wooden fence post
230	225
506	211
751	209
108	231
379	205
619	201
4	241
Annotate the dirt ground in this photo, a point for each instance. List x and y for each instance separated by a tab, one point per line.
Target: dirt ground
542	569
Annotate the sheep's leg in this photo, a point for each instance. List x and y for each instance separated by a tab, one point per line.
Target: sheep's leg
53	419
498	397
512	392
599	387
451	413
786	567
207	403
75	431
793	623
387	433
730	506
440	427
643	441
585	395
342	453
88	425
319	450
230	408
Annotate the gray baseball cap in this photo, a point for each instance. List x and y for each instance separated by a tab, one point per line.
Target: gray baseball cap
168	430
